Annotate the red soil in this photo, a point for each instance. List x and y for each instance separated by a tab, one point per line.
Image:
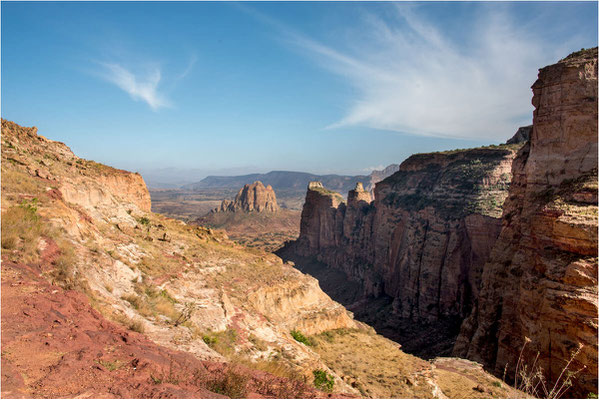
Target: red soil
54	344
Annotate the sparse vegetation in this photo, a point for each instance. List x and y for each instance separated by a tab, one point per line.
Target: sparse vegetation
230	383
64	268
136	326
22	227
323	380
300	337
222	342
532	381
110	365
144	221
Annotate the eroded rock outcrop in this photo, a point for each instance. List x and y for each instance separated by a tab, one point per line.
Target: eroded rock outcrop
83	182
254	197
541	280
425	237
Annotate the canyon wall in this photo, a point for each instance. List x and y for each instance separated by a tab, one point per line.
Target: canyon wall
425	237
444	237
541	280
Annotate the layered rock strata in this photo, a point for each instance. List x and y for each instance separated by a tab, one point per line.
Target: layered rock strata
254	197
541	280
425	237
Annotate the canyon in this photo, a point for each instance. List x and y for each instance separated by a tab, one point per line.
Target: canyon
103	298
433	279
487	253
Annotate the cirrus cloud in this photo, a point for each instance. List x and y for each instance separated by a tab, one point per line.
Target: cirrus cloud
142	87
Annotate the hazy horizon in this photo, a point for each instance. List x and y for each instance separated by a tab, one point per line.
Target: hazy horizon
197	89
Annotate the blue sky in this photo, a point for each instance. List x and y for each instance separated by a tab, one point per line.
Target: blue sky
181	90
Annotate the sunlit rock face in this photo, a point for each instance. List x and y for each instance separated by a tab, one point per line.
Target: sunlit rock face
254	197
423	239
541	280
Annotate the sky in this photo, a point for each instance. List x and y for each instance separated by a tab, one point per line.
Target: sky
181	90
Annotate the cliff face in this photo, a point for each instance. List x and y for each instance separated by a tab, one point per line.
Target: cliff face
254	197
425	237
541	280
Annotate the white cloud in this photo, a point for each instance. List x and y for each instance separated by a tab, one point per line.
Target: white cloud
139	86
410	77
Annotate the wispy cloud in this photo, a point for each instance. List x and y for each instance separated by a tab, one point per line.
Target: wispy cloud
140	86
412	78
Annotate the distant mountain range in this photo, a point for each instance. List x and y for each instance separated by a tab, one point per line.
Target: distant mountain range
291	180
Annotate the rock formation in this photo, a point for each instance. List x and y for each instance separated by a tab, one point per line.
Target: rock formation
378	175
444	239
254	197
522	135
425	237
541	280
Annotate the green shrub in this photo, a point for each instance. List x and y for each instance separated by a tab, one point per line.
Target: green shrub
144	221
323	380
209	340
300	337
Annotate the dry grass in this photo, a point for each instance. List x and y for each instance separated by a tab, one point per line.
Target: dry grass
21	229
463	379
532	381
15	181
222	342
378	370
151	302
65	273
230	382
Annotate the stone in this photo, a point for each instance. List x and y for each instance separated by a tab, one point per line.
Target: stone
522	135
424	239
254	197
541	279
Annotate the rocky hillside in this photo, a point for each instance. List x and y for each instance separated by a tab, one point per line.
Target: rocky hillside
541	280
127	303
254	197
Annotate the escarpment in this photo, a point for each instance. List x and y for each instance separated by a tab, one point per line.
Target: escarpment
254	197
540	283
424	238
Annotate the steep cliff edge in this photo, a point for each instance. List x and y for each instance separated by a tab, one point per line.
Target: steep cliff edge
425	237
541	279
